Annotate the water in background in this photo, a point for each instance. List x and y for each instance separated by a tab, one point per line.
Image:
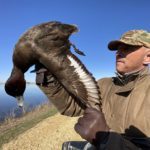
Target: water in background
33	97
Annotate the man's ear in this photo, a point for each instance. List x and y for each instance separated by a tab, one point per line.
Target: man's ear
147	58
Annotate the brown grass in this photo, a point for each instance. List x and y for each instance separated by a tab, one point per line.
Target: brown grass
13	127
11	121
46	135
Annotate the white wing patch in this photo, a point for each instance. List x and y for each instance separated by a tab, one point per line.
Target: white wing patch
85	78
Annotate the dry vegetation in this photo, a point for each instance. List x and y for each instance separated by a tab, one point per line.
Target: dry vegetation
39	129
11	121
12	127
49	134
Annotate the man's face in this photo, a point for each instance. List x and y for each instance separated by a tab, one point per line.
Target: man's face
129	58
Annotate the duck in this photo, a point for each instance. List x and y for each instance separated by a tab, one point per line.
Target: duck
48	44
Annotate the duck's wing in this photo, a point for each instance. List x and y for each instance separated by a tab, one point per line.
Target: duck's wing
49	44
74	76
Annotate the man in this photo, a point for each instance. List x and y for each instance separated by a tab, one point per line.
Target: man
124	121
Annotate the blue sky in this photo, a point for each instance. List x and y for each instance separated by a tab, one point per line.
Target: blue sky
99	21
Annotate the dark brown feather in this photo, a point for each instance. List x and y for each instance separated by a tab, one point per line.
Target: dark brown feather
49	44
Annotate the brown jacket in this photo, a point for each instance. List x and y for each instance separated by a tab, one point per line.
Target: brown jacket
126	108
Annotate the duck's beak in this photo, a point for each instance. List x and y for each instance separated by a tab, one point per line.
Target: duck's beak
20	101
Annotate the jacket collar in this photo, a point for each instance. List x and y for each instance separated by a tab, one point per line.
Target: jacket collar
127	82
126	78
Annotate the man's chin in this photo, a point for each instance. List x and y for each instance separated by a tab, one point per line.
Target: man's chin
120	70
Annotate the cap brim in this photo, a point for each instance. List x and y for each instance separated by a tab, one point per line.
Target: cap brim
113	45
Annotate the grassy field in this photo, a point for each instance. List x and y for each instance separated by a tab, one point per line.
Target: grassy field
12	127
49	134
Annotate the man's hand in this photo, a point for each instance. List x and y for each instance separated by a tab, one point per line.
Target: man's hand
92	126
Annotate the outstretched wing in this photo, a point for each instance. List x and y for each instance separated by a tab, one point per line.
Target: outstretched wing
85	86
49	44
74	76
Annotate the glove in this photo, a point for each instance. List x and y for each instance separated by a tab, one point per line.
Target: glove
92	127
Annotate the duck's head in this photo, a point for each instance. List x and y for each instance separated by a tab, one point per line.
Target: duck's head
15	85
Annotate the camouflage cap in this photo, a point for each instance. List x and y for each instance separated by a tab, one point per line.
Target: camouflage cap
132	37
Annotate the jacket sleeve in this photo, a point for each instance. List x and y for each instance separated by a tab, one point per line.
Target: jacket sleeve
66	103
118	142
